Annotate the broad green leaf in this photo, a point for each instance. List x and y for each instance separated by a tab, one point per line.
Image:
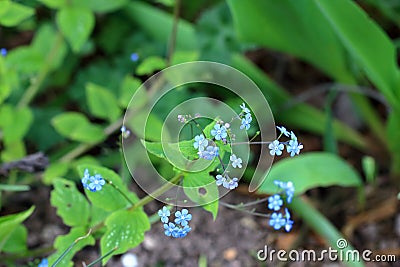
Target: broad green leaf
108	198
150	129
98	215
47	40
71	205
310	170
103	6
5	84
55	170
184	56
311	39
25	59
125	230
56	4
13	151
14	122
158	24
102	103
201	188
15	14
4	5
77	127
151	65
128	88
63	242
17	241
377	56
9	223
76	24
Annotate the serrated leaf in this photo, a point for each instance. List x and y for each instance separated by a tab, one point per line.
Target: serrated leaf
15	14
77	127
201	188
310	170
17	240
9	223
102	103
71	205
150	65
63	242
76	24
108	198
125	230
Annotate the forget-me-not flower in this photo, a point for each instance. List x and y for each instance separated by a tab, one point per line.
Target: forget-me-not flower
275	148
182	217
220	179
164	214
219	132
170	229
244	108
289	222
275	202
96	183
236	162
246	122
44	263
200	142
277	221
134	57
209	153
283	130
86	179
3	52
293	147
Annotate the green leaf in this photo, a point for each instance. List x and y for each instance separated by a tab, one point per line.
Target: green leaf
125	230
108	198
17	241
128	88
77	127
9	223
76	24
25	59
71	205
151	65
201	188
377	56
13	151
103	6
150	129
63	242
184	56
56	4
55	170
311	170
14	122
102	103
15	14
14	188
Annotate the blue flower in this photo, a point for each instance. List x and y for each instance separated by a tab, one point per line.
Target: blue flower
233	183
283	130
182	217
3	52
277	221
275	148
287	187
200	142
134	57
220	179
236	162
246	122
86	179
125	132
170	229
244	108
96	183
293	147
289	222
275	202
181	232
293	136
44	263
209	153
164	214
219	132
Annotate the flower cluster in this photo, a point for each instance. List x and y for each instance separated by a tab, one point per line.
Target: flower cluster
180	227
275	203
245	116
93	183
293	147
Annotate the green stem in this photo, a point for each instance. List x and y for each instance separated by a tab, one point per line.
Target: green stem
104	256
37	83
174	33
157	192
320	224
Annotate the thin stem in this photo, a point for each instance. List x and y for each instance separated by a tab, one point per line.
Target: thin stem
252	212
119	191
174	33
252	143
101	258
157	192
37	83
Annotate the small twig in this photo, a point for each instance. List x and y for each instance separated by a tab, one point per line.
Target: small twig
31	163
